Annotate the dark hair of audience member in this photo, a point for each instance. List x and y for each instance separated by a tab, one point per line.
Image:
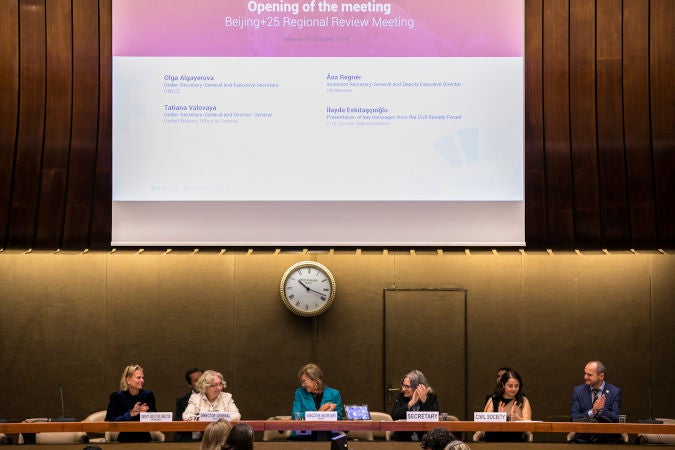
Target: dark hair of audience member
436	439
240	438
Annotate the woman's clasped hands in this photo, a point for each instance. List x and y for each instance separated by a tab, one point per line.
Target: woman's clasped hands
421	392
328	407
514	413
138	408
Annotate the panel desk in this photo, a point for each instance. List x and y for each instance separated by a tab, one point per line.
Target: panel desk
343	425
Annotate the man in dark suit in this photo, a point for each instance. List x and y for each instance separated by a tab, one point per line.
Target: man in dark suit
191	376
596	401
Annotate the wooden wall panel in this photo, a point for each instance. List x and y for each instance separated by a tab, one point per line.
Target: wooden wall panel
83	150
559	199
102	203
639	165
32	81
9	105
58	122
599	134
79	318
610	124
536	229
662	101
587	223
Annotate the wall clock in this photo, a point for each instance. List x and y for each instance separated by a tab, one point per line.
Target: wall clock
307	288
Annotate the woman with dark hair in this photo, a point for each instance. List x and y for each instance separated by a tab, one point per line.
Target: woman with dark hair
415	395
240	438
129	402
509	398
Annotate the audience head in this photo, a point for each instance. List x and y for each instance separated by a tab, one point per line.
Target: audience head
457	445
311	378
215	434
511	385
594	373
436	439
132	377
240	438
192	375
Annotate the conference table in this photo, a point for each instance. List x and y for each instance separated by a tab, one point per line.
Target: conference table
342	425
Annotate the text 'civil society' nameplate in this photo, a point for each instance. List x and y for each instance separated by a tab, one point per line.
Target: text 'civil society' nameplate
156	417
323	416
213	416
421	416
489	417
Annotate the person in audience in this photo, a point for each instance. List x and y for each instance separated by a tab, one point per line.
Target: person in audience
240	438
596	401
314	395
215	435
191	377
436	439
210	396
498	386
457	445
510	399
415	395
129	402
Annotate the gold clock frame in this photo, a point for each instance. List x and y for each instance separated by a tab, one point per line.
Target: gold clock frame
287	302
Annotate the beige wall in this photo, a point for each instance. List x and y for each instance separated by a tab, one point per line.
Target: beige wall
77	319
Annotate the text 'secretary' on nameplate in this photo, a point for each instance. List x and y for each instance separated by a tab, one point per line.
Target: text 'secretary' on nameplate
421	416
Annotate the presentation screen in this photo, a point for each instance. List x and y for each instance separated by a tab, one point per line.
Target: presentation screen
322	123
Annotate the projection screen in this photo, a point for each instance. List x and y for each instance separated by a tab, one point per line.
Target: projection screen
318	123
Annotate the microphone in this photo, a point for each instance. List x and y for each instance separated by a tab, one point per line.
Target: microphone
63	417
651	418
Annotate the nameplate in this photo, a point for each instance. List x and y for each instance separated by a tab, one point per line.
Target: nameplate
156	417
489	417
321	416
214	416
421	416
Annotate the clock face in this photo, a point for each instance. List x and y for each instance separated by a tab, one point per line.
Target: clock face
307	288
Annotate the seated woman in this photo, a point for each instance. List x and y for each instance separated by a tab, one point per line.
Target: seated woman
509	398
240	438
129	402
415	395
215	435
314	395
210	396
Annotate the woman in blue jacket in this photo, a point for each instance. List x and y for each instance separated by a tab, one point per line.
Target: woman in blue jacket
314	395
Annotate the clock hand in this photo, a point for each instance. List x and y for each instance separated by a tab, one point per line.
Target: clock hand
310	289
